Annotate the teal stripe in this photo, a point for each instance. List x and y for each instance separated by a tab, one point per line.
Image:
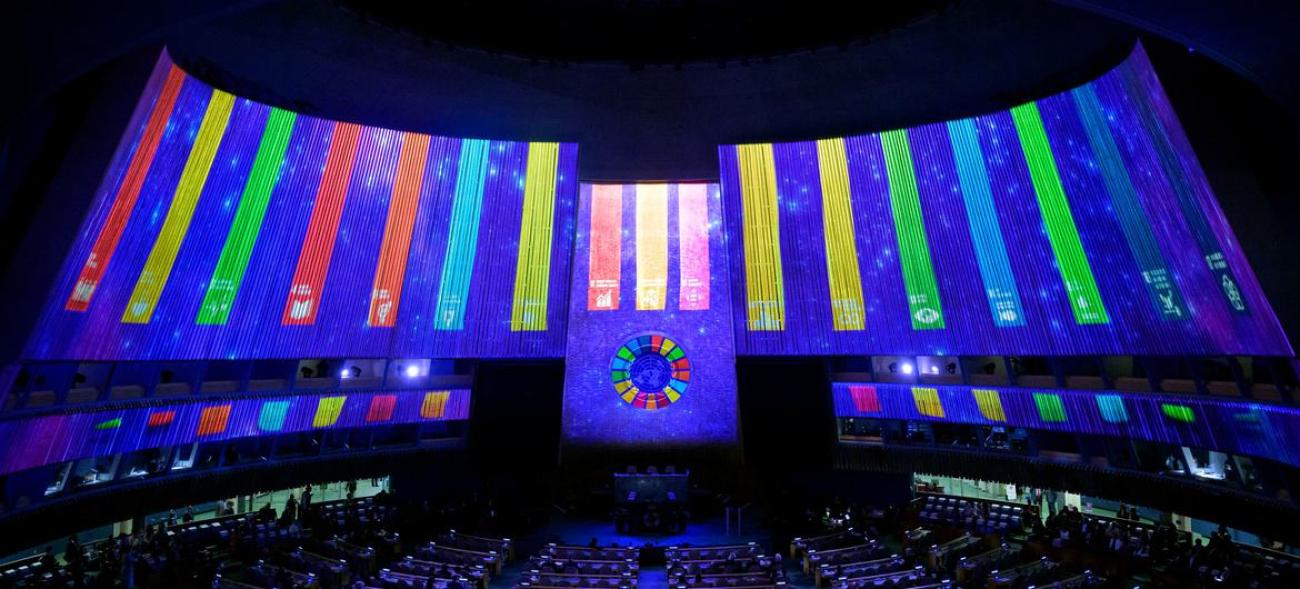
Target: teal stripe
909	225
271	419
986	233
1171	164
229	273
462	243
1133	221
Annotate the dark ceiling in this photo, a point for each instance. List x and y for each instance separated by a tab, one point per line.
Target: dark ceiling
644	31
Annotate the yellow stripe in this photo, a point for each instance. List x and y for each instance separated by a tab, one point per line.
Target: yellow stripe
764	282
841	247
149	287
434	405
533	269
927	401
990	404
328	410
651	246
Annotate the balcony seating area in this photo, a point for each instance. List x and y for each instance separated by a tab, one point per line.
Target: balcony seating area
979	516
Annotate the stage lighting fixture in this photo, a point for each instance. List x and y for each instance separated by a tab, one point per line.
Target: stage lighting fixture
893	367
345	373
412	371
951	368
908	368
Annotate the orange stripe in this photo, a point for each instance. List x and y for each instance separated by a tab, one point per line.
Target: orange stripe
387	291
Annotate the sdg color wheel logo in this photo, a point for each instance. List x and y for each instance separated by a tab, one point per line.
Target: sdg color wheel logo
650	371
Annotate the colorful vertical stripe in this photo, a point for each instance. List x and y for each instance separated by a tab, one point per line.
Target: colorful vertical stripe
847	310
761	234
1165	295
865	399
1185	195
318	246
651	246
990	404
161	418
391	269
328	410
114	423
213	420
462	243
381	408
927	402
157	268
1071	261
1051	409
986	233
271	417
229	274
923	302
533	267
1112	408
110	233
1179	413
434	404
606	257
693	247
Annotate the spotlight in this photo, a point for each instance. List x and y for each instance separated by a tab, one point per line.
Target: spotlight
412	371
908	368
345	373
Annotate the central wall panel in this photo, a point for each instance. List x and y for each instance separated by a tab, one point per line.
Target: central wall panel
650	359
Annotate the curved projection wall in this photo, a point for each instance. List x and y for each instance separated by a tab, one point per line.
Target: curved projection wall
48	439
1081	223
1253	429
225	228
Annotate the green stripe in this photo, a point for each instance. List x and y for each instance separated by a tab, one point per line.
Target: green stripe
913	250
1050	407
1076	273
248	219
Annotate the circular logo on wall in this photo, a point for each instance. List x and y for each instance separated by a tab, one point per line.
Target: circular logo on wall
650	371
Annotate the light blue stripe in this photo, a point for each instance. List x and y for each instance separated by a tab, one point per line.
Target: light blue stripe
990	250
1141	240
462	241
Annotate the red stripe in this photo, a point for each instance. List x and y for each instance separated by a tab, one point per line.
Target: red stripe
318	246
390	272
605	270
865	399
381	408
127	194
161	418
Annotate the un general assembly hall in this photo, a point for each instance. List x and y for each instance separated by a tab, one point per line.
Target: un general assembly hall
649	294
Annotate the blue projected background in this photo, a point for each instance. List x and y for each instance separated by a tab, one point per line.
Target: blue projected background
1255	429
1080	223
225	228
650	360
